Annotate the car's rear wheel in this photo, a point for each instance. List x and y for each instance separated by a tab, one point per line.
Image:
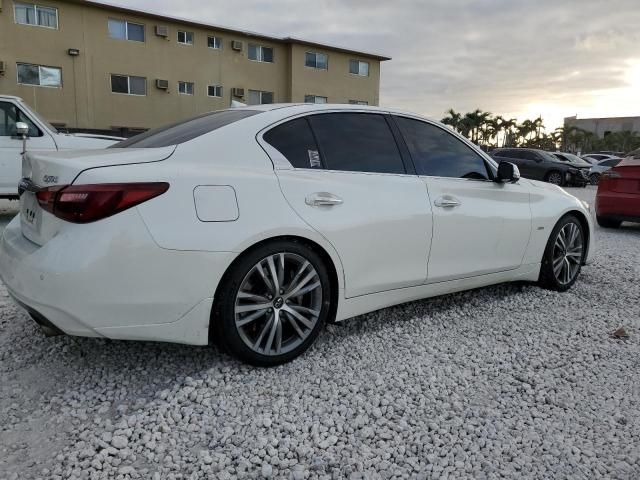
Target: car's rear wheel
273	303
605	222
555	178
563	255
594	178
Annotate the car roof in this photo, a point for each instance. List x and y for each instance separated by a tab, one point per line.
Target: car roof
288	109
10	97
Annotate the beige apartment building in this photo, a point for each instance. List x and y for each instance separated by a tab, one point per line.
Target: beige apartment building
89	65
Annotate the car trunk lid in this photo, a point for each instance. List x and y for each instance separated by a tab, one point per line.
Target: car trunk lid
49	170
625	177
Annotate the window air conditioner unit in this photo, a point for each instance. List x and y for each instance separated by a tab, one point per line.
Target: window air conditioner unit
237	92
162	31
236	45
162	84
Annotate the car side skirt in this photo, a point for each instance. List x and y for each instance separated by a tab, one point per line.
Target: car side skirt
352	307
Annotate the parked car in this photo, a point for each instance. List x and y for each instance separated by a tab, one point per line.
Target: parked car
575	161
254	226
600	167
42	137
598	157
618	197
540	165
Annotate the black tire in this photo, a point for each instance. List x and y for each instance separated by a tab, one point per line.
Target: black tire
552	175
594	178
548	278
223	330
605	222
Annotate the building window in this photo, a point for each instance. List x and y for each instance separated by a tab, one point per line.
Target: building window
185	38
257	97
214	90
356	67
314	99
260	53
185	88
214	42
128	85
123	30
29	14
316	60
39	75
358	102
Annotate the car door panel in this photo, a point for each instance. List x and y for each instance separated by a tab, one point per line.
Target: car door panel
381	229
350	185
479	226
487	231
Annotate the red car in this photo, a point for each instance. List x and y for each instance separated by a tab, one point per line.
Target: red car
618	197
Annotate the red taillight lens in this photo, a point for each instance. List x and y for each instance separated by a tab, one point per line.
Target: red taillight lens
88	203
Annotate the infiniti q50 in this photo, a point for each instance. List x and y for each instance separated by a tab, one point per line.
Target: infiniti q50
252	227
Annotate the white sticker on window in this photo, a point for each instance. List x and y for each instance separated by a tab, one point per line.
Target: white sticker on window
314	159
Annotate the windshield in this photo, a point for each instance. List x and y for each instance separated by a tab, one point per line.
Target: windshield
185	130
41	119
570	157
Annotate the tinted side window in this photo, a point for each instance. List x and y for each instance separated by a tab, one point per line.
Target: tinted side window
528	156
500	153
295	141
437	153
357	142
186	130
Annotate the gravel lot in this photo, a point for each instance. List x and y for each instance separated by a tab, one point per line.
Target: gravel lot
506	381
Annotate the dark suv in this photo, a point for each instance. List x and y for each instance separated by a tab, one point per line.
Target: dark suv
541	165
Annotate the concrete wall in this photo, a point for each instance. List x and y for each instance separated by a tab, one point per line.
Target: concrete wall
85	99
600	126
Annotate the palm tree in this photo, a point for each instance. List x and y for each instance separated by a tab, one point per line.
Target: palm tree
526	128
473	122
452	119
509	134
539	126
496	125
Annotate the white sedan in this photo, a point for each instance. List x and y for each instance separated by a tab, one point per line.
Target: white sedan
254	226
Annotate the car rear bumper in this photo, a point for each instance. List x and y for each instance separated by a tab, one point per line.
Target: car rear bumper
112	281
618	206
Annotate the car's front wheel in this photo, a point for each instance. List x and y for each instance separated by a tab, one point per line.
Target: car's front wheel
272	304
594	178
563	255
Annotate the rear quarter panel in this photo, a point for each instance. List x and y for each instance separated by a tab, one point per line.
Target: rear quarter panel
231	160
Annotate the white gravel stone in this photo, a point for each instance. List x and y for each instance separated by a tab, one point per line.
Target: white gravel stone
509	381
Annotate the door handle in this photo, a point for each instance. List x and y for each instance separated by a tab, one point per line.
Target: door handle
447	202
319	199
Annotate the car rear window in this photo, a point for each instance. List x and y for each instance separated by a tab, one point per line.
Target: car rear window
185	130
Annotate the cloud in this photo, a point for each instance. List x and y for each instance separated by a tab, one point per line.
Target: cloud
499	55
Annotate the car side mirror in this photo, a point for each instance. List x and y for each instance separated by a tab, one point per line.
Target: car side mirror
507	173
22	129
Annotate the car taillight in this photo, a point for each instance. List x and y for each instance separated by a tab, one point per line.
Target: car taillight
88	203
610	174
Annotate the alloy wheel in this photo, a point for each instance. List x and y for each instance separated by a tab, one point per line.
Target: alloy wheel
555	178
278	304
594	179
567	253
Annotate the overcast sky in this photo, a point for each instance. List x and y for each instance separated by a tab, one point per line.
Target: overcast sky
517	58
